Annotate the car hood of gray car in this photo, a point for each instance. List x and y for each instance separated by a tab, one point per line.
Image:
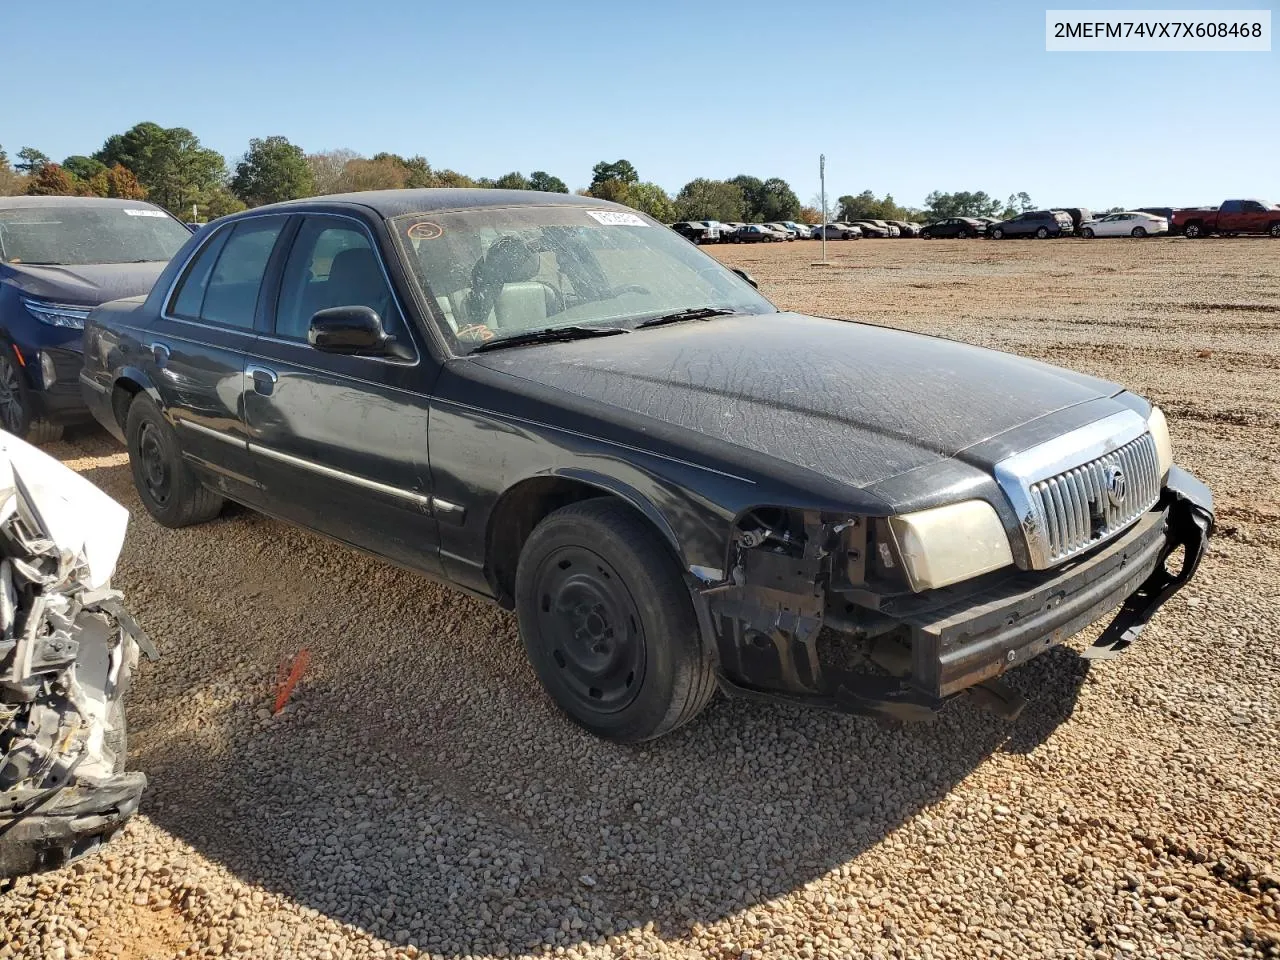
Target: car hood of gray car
855	402
84	284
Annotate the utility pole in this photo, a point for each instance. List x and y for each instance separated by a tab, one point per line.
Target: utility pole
822	176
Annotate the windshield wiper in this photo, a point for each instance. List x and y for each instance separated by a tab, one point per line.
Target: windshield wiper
548	335
693	313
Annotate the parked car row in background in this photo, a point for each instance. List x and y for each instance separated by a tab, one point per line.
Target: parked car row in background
1232	218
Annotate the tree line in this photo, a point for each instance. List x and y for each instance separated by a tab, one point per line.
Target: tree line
170	167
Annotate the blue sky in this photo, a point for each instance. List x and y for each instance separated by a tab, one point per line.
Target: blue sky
902	97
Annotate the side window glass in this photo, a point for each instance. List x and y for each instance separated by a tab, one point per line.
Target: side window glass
189	299
332	264
232	294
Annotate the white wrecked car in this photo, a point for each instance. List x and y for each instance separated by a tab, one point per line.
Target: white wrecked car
67	649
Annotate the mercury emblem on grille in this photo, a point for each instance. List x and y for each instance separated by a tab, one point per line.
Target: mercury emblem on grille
1115	486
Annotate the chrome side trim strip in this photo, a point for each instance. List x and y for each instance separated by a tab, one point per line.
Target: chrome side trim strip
417	499
215	434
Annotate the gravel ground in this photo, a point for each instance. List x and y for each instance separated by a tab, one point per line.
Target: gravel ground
420	795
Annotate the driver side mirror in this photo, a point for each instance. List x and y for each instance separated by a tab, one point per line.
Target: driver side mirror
354	331
746	276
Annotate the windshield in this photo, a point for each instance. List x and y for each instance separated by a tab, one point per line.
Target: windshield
494	273
73	236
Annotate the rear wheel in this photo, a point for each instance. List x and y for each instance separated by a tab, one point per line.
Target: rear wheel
1193	231
1139	231
1042	233
168	489
1087	233
608	623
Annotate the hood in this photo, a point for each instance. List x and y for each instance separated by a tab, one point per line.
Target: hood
855	402
87	284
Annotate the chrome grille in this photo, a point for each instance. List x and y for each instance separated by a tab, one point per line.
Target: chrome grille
1079	508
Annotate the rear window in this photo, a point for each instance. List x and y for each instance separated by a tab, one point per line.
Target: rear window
74	235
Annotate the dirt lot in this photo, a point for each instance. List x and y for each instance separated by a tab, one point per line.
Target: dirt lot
422	795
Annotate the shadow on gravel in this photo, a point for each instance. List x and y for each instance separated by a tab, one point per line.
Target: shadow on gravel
422	788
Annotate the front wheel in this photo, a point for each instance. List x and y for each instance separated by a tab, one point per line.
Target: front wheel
1139	231
608	623
1274	229
997	234
172	494
1087	233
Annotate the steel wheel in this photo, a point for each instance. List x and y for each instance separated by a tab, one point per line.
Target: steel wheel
13	411
155	466
593	626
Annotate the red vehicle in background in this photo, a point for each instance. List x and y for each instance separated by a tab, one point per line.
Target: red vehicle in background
1234	216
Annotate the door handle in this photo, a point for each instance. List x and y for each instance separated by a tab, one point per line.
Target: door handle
264	379
160	353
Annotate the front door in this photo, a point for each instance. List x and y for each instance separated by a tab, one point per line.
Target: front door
340	442
197	352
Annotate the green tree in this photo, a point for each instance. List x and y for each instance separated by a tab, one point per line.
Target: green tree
170	162
452	178
512	181
939	206
417	171
272	170
31	161
217	201
51	181
4	160
752	196
541	180
704	199
384	173
651	199
866	206
83	168
618	170
777	201
614	190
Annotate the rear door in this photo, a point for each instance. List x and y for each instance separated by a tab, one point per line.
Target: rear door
198	347
1254	217
340	442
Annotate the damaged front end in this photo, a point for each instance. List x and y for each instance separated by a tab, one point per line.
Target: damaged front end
816	609
67	651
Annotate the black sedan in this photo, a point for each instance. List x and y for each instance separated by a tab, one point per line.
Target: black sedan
955	228
59	258
559	405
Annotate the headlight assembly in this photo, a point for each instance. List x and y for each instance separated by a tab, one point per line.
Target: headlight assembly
948	544
57	314
1159	428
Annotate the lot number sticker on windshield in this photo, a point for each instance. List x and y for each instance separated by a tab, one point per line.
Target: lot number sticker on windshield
135	212
424	230
612	218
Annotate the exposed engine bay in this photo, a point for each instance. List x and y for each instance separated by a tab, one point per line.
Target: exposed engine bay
68	649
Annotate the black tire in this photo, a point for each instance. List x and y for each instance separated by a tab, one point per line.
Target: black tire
1042	233
997	234
15	404
608	623
1087	233
1193	231
1274	229
168	489
1139	232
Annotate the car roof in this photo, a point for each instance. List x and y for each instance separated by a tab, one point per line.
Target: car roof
396	203
20	203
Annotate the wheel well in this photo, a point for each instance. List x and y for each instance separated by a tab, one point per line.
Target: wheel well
122	395
519	510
